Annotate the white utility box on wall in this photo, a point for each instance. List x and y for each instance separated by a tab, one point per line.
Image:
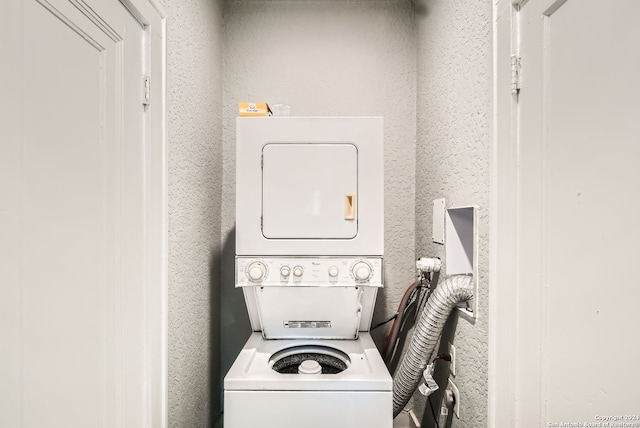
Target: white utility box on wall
461	249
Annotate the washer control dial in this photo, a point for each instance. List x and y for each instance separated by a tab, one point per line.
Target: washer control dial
298	271
256	271
333	271
361	271
285	271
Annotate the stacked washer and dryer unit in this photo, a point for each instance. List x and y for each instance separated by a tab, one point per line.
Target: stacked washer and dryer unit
309	247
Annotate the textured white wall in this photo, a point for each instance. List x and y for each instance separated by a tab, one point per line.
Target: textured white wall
327	57
194	98
453	151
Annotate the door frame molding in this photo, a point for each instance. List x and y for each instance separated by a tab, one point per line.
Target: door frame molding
503	269
153	18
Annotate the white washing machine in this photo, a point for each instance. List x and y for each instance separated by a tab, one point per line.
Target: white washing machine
353	392
309	247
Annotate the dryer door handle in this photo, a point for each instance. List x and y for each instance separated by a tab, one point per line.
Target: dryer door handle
349	207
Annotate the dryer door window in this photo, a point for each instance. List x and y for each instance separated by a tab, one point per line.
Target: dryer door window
309	191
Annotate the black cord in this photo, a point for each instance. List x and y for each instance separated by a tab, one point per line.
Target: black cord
428	290
422	300
384	322
433	412
444	357
412	301
414	298
409	302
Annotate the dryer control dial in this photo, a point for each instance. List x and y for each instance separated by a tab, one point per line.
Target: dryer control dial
361	271
333	271
298	271
256	271
285	271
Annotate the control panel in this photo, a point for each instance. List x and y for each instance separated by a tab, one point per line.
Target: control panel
308	271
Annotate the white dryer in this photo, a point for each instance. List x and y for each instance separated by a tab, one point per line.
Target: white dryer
309	248
309	186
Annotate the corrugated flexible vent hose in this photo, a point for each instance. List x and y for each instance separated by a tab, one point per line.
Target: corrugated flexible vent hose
451	291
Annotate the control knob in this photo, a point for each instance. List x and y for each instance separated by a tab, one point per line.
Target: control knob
285	271
361	271
298	271
333	271
256	271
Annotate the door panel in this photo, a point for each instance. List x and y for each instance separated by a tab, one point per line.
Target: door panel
63	248
72	246
579	109
305	190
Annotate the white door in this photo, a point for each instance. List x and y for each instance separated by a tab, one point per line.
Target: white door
72	242
309	191
578	231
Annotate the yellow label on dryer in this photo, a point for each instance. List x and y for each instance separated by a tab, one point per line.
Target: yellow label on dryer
254	109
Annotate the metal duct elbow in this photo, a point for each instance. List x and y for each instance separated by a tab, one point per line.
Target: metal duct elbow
451	291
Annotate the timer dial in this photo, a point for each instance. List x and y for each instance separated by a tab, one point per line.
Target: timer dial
361	271
256	271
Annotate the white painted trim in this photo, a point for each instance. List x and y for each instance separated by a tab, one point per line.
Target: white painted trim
151	15
502	411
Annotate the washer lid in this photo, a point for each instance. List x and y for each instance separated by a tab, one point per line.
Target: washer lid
309	312
309	190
